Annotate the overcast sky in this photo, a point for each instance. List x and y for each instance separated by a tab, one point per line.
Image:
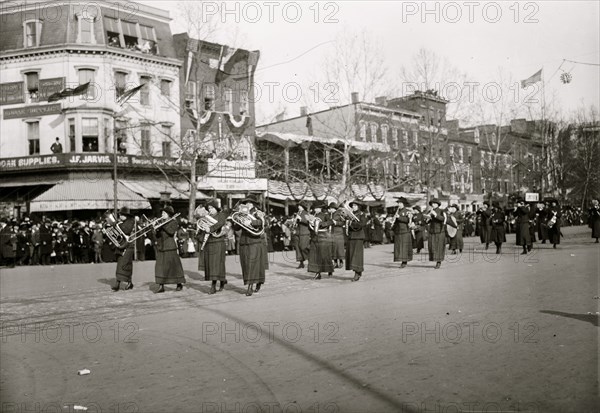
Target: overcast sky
520	37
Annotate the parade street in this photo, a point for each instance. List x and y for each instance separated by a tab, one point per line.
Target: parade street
483	333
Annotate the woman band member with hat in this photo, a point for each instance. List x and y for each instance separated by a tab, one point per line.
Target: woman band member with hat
523	213
125	251
594	219
337	233
483	224
401	225
355	253
419	221
319	256
168	268
437	233
253	252
498	234
302	233
456	242
554	216
211	256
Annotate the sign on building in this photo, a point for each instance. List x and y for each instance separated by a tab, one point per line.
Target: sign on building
532	197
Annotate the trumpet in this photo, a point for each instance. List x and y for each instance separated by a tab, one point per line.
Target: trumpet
244	219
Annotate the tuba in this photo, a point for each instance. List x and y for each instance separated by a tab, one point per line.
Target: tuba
244	218
113	232
204	223
313	222
347	212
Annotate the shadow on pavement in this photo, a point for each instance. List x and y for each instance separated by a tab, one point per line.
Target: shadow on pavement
590	318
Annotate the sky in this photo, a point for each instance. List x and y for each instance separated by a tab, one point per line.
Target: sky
478	38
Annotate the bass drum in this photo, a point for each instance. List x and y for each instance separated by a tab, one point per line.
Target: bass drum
450	229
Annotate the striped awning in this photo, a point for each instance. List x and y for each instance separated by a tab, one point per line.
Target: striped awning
87	194
292	139
152	189
301	191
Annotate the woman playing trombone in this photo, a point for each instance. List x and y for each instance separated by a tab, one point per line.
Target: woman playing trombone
168	268
125	251
211	254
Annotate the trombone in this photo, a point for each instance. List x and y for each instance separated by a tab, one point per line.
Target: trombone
116	235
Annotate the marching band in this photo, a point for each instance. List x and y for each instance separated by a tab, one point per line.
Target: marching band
325	236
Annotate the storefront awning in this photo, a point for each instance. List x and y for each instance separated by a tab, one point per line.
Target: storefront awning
300	191
292	139
86	194
152	189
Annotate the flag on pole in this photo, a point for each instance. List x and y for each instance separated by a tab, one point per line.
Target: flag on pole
68	92
536	77
129	93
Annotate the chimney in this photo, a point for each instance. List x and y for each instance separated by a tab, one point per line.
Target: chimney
303	111
354	97
381	101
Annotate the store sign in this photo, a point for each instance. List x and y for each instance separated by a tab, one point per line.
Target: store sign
231	169
224	184
49	87
532	197
11	93
32	111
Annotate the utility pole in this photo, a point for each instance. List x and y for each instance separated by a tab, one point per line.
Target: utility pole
115	183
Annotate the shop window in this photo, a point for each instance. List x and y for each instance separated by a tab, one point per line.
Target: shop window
89	134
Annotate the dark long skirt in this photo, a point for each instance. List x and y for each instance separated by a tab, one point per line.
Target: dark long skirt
168	268
403	248
355	255
418	240
125	266
484	235
212	261
252	260
319	256
543	231
595	228
338	248
457	242
437	247
266	250
554	234
523	235
302	247
498	235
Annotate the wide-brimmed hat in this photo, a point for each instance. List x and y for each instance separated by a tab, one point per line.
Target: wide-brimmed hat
455	206
125	210
486	203
333	205
213	203
352	203
435	201
401	199
169	210
418	208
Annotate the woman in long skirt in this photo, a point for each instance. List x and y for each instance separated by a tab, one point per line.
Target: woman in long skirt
403	243
211	254
498	235
456	242
253	254
337	234
168	268
319	255
125	251
355	254
437	233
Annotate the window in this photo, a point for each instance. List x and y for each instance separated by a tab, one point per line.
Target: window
416	138
373	132
32	80
120	83
130	35
395	138
121	136
166	143
363	131
384	133
146	140
148	39
498	186
460	154
431	116
482	158
470	153
31	35
85	76
506	187
89	134
113	33
86	29
33	136
243	102
209	96
228	100
145	91
406	169
405	138
451	150
165	87
71	135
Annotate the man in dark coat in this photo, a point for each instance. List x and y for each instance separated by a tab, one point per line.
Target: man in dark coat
554	218
594	219
355	254
45	242
125	251
523	214
252	248
338	237
303	234
319	256
211	248
483	220
23	242
168	268
437	233
8	243
498	234
401	225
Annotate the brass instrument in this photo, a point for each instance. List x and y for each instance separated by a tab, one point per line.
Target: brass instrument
552	220
244	218
313	222
203	224
114	233
347	212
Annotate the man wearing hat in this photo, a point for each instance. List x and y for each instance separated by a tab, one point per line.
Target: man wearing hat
337	234
211	245
319	256
125	251
456	219
437	233
253	251
522	213
355	253
483	223
8	243
498	233
402	225
303	234
168	268
554	216
45	242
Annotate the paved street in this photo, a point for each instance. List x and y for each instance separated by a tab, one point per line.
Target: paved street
483	333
